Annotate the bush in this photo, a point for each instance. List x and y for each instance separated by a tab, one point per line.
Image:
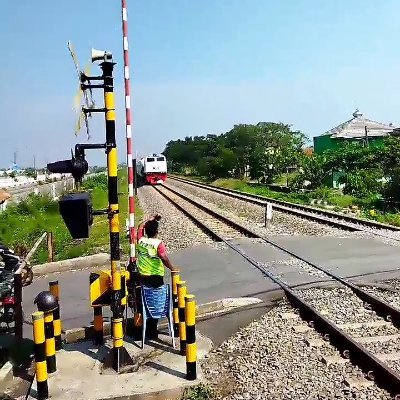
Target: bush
98	181
362	183
198	392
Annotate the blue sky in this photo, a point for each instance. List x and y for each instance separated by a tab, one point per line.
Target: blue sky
197	67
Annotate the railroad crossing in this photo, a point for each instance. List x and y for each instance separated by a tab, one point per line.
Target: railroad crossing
315	276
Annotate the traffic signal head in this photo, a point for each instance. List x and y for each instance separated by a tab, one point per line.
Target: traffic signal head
77	166
77	213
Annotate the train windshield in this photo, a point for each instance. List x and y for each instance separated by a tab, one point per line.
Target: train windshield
150	159
160	158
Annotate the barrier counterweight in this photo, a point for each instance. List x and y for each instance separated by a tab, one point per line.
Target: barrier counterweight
175	280
50	342
98	325
55	291
40	355
191	347
181	311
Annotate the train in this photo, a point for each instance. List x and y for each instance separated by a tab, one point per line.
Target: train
152	169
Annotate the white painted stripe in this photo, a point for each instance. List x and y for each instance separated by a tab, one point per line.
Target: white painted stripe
131	220
129	160
128	101
126	72
133	252
129	131
124	14
130	188
125	43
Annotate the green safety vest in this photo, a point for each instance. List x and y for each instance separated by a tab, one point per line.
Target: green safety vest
148	261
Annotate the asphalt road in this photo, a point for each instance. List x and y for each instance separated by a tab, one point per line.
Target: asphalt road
213	274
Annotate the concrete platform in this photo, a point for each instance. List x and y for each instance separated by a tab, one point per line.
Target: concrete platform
159	372
213	274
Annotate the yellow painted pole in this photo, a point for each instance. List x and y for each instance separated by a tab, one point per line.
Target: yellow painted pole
50	342
55	291
175	279
113	215
181	311
40	355
191	348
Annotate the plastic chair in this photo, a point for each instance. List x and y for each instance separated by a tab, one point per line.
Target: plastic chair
157	303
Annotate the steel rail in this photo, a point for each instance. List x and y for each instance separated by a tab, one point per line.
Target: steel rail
384	376
381	307
297	209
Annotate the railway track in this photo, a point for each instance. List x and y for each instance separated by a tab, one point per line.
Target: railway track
325	217
372	311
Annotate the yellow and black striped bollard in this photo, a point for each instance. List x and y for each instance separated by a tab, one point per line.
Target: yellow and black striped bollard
98	325
175	280
181	311
55	291
50	342
191	348
40	355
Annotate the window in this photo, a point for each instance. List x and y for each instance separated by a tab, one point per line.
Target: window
150	159
160	159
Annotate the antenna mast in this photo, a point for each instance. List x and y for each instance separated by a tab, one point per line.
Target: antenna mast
128	126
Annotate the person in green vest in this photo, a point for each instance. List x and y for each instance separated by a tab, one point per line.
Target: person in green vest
151	262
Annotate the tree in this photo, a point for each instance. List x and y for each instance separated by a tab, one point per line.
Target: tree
313	170
276	148
242	141
362	182
265	149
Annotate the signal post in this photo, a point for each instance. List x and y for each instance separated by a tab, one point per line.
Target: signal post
106	287
112	168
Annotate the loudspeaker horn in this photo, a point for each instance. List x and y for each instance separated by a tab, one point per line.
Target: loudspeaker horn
101	55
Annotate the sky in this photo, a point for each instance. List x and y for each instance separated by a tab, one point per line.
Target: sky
197	67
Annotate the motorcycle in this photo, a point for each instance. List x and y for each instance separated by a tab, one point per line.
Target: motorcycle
10	263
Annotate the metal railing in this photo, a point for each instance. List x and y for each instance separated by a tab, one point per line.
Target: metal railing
19	281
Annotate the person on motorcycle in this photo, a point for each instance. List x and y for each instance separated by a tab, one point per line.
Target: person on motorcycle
10	264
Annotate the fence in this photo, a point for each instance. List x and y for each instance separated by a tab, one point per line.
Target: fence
19	281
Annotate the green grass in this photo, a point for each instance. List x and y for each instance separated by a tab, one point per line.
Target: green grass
23	223
198	392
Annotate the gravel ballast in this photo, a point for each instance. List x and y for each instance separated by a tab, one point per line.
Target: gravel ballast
283	223
268	360
176	230
242	212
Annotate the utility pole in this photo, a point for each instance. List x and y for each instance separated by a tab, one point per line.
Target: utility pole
366	135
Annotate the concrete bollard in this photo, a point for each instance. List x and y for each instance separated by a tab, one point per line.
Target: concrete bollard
55	291
40	355
181	311
98	338
175	280
50	342
267	214
191	348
